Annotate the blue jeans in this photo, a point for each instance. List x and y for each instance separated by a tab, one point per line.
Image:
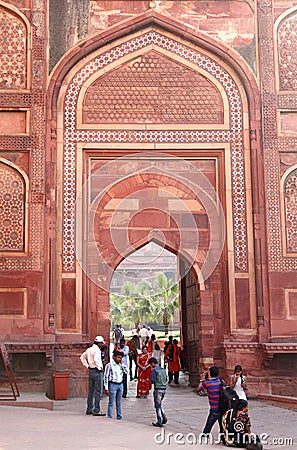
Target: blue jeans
159	395
95	390
115	394
213	416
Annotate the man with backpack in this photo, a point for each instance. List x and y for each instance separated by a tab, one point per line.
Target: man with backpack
213	388
220	397
158	379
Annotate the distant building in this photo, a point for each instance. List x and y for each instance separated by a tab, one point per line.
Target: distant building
144	264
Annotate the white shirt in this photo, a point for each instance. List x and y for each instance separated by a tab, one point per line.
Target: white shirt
238	387
91	358
143	333
125	351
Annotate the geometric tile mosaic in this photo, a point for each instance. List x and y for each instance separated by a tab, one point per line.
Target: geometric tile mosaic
12	210
287	42
290	191
286	45
13	52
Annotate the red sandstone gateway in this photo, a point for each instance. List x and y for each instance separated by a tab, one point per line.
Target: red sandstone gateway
149	125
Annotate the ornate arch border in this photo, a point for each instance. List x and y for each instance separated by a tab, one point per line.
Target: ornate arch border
233	136
243	138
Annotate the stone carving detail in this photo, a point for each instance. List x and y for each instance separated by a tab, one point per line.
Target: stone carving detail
152	88
12	209
233	135
288	53
290	191
13	51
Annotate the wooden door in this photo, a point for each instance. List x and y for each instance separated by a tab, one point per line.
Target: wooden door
190	321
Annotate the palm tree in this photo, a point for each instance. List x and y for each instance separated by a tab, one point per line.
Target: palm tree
165	300
138	302
117	308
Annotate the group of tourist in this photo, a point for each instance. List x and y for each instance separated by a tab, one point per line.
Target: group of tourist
140	352
113	377
230	412
229	406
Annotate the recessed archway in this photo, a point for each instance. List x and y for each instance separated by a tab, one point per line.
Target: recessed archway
220	148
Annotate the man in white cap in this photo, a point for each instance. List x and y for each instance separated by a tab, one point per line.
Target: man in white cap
92	360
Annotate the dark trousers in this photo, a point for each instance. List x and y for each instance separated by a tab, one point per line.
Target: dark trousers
131	359
213	416
125	382
95	390
174	375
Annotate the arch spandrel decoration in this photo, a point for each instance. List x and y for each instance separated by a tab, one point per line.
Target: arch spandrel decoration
13	54
233	136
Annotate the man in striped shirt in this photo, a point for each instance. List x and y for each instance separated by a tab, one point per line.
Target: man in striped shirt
113	383
213	387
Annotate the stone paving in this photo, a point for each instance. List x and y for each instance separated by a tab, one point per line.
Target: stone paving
67	426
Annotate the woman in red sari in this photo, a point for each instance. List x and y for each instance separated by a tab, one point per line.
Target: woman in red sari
144	374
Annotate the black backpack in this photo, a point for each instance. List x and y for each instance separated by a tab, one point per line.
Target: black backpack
228	398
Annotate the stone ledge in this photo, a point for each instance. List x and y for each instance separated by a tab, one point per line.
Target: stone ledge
280	400
29	400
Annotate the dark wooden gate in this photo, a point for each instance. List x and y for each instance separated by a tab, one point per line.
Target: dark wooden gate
190	298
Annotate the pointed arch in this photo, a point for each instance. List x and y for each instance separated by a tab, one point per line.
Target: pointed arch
288	202
233	76
14	196
17	62
285	29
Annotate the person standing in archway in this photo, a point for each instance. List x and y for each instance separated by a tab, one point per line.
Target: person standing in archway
173	357
144	374
134	346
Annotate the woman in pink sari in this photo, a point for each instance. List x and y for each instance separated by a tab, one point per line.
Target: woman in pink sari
144	374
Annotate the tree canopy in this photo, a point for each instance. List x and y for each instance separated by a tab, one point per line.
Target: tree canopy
145	302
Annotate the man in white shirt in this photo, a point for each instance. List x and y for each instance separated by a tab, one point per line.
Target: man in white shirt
143	335
113	383
91	359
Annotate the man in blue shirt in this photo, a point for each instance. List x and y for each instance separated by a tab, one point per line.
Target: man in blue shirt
113	383
158	379
124	349
213	387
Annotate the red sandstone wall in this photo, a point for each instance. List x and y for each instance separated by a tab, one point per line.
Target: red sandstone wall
22	143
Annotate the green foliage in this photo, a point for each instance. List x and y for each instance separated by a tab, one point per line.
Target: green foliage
165	300
145	302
